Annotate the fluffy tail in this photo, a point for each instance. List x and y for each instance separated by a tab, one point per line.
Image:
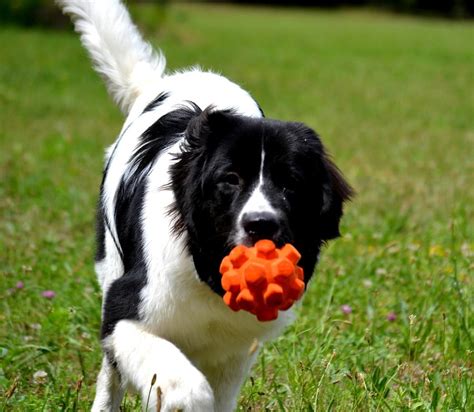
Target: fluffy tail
120	55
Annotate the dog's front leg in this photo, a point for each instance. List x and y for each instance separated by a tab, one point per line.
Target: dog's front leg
140	356
227	378
109	390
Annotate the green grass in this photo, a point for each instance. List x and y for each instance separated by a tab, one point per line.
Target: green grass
393	99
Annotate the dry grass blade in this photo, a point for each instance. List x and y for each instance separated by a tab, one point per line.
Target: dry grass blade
11	390
158	399
153	380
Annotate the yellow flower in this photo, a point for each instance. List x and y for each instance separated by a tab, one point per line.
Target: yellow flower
437	250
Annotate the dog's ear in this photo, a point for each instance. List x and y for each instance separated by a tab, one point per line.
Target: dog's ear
208	123
197	130
203	134
336	191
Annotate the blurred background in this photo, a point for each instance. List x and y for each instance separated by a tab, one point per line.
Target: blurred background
44	12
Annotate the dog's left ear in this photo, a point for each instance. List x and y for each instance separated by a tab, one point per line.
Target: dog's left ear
336	191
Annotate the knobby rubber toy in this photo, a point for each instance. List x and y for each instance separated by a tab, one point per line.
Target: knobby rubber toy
262	279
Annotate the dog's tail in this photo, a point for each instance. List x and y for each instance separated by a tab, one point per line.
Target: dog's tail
118	51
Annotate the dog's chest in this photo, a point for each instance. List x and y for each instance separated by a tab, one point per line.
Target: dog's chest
197	321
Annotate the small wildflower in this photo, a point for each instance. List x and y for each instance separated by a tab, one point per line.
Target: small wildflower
467	250
393	249
367	283
20	285
85	335
370	312
89	290
437	250
35	326
449	269
391	316
39	377
48	294
413	247
381	272
360	377
346	309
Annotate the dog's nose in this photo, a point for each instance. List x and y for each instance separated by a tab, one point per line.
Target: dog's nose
260	225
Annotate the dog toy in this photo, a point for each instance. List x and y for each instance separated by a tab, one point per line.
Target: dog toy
262	279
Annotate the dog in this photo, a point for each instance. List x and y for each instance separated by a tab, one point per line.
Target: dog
196	170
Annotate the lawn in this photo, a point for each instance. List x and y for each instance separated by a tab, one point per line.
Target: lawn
387	323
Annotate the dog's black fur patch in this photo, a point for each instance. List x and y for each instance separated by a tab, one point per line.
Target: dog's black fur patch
100	230
158	100
122	299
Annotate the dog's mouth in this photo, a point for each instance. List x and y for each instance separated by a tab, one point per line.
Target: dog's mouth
249	239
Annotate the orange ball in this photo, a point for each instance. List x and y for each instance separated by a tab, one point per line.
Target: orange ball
262	279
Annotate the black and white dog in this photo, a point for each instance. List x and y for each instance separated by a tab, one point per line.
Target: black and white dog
196	170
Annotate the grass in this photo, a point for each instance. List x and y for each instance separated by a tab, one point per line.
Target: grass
392	98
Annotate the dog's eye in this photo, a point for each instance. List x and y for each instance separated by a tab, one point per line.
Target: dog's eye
231	178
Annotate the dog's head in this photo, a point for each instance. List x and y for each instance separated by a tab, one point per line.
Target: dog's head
241	179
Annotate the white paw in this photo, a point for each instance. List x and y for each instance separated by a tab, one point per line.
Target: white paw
186	393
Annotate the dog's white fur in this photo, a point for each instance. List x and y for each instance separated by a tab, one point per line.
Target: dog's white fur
199	350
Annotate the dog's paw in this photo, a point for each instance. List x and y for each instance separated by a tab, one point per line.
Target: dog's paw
187	393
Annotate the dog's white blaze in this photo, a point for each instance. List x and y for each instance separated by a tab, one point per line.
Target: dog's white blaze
262	161
257	202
